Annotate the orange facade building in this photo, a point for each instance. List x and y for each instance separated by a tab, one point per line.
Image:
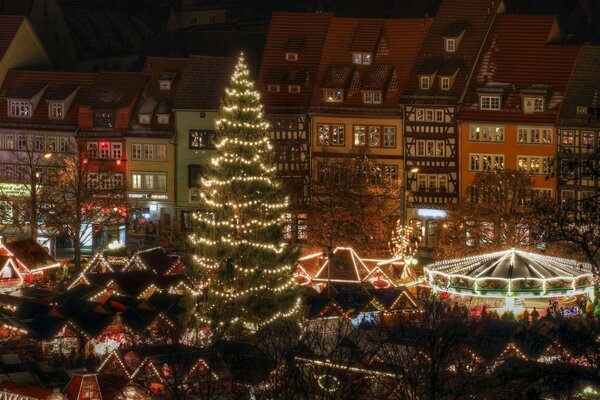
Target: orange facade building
510	110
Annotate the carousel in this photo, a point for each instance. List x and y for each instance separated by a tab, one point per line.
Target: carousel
510	275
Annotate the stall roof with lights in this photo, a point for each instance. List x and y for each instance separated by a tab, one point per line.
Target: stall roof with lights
511	273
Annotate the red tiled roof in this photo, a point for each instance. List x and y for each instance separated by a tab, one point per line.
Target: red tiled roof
394	44
203	84
158	68
366	37
25	84
517	54
452	15
286	31
112	90
9	24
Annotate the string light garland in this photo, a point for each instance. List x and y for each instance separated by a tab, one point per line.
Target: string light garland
240	253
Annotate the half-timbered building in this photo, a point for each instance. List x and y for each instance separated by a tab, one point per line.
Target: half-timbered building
433	95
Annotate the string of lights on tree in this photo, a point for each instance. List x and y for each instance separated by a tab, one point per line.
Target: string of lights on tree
240	256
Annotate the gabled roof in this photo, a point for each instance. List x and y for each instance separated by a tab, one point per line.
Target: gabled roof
517	53
9	25
394	45
203	83
31	254
452	15
303	33
583	90
113	90
20	84
29	392
343	266
155	259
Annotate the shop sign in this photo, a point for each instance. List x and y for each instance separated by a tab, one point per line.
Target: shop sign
148	196
14	189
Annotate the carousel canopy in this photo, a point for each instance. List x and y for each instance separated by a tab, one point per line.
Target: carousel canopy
511	273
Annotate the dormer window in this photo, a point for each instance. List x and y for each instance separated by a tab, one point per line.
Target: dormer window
582	110
273	88
164	85
450	45
163	118
489	102
144	118
424	82
19	108
291	56
334	96
362	58
104	119
56	110
294	89
533	104
165	80
372	97
445	83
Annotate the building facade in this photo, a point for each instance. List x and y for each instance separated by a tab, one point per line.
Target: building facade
507	120
433	95
195	111
578	131
150	144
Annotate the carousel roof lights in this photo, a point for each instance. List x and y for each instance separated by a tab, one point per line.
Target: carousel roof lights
510	273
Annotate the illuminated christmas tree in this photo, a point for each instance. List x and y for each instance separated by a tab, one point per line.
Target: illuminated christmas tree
405	241
240	255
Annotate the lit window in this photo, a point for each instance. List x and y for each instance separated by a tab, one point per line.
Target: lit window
389	136
164	85
136	151
372	97
486	162
56	110
486	133
19	108
420	148
359	135
9	142
391	171
273	88
104	150
582	110
145	118
149	152
450	45
22	143
538	105
334	96
445	83
163	118
116	150
490	102
429	115
587	138
361	58
51	143
64	144
39	143
366	58
331	135
534	135
294	88
568	138
136	181
424	82
374	136
161	152
439	115
92	149
420	115
148	182
291	56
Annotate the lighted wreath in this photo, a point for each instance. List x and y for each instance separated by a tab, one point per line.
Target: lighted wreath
328	383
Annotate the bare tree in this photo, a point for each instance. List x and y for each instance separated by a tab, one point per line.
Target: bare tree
497	212
429	353
355	202
27	204
573	222
86	194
